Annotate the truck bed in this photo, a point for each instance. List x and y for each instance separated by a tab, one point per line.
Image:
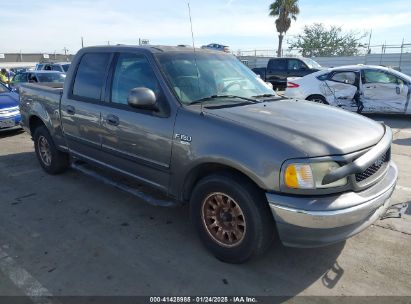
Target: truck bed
42	100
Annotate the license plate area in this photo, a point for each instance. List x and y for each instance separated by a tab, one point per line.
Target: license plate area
7	123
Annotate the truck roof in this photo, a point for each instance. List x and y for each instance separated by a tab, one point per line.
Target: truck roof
155	49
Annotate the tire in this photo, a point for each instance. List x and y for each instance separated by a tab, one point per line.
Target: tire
317	99
51	160
251	230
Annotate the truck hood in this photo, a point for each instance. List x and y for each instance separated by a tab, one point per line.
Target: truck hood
314	129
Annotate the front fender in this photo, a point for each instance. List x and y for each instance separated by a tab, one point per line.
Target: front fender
216	141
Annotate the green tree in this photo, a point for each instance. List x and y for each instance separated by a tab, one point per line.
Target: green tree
284	10
317	40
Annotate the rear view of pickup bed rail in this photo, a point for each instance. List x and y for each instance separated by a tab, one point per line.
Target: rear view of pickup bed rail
200	128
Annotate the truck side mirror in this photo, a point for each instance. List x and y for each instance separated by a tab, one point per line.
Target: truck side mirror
142	98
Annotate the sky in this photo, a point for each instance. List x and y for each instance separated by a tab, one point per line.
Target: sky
50	26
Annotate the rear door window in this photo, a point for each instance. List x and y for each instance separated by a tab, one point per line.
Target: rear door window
344	77
277	65
91	75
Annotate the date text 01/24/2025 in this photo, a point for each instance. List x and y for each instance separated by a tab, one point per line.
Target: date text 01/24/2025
204	299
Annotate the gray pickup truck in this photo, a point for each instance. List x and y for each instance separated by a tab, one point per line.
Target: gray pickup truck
201	128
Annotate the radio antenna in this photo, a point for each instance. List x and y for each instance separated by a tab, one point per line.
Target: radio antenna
195	57
191	25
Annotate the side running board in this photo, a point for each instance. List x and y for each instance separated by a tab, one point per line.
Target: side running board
117	183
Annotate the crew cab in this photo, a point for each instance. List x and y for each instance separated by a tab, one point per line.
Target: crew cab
201	128
279	69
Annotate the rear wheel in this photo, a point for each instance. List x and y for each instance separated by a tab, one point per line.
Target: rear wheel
51	159
318	99
232	217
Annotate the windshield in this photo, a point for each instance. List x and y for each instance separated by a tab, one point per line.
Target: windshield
51	77
217	75
311	63
65	67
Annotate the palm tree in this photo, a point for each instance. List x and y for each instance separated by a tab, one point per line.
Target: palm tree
285	10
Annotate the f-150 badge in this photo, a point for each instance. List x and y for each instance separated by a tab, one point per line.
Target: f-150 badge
184	139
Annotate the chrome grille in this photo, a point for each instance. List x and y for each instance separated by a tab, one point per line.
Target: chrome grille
379	163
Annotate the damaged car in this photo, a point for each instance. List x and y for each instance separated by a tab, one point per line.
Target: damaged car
359	88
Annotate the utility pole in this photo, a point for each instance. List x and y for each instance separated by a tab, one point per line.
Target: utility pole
382	51
82	42
368	48
369	42
399	64
65	53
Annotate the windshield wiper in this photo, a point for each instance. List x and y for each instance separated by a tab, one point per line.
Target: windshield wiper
265	95
223	96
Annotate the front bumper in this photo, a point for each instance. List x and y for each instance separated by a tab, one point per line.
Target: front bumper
300	223
15	119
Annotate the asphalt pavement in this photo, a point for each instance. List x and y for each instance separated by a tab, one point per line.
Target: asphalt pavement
72	235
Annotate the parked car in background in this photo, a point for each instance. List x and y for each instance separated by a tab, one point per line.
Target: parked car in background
217	47
37	76
57	66
203	129
279	69
360	88
9	108
21	69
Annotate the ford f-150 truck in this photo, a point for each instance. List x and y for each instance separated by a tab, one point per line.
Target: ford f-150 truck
203	129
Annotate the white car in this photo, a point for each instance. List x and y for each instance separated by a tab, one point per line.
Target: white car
361	88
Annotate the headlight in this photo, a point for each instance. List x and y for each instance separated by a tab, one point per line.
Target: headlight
310	176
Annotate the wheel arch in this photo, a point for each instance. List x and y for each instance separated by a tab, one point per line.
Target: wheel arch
312	96
36	119
202	170
34	122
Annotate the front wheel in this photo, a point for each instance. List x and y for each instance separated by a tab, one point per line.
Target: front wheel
232	217
51	160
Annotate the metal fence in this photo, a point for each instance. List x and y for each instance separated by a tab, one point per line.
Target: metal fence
363	50
10	60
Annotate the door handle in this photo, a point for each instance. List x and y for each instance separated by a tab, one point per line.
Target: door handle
112	120
70	110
